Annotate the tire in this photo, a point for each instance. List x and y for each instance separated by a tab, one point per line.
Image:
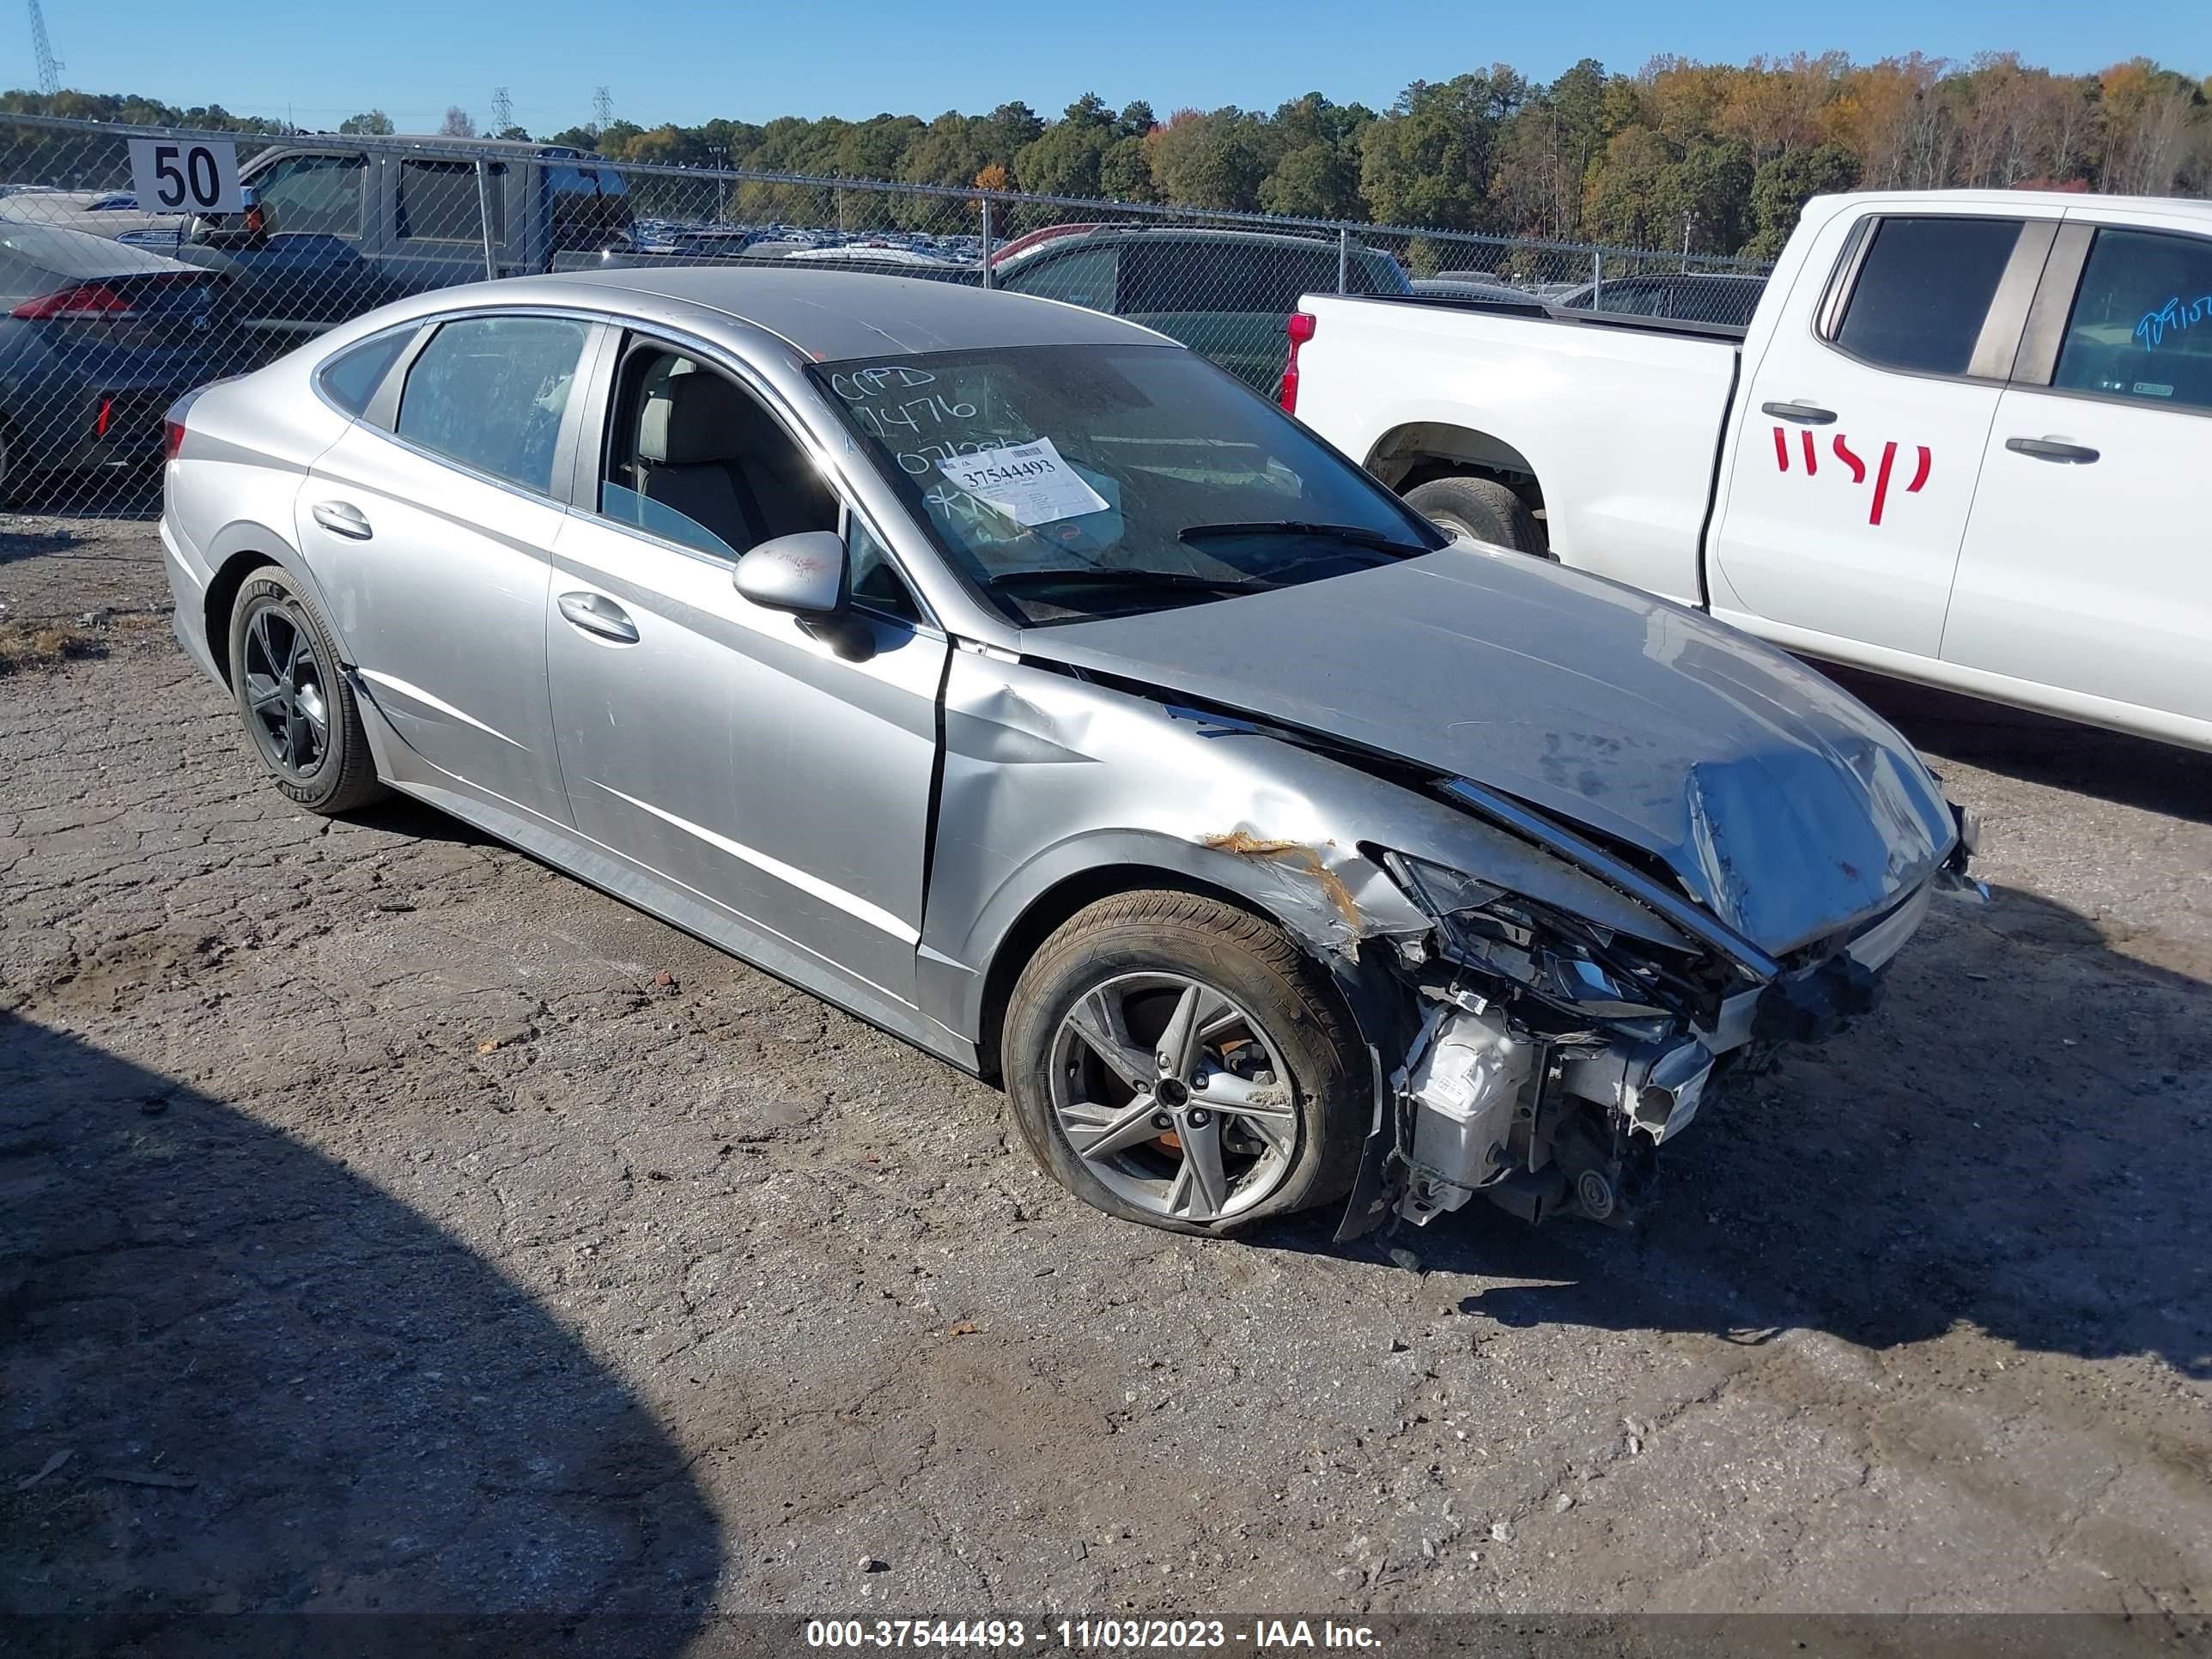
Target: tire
1482	508
1288	1139
304	727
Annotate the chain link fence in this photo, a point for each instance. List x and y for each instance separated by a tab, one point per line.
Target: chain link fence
113	310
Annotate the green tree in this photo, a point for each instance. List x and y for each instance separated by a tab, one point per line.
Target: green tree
1317	180
1429	160
1781	187
374	121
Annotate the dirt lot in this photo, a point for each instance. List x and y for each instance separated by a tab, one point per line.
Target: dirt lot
386	1222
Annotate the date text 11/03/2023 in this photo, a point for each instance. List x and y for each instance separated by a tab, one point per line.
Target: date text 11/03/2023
1085	1635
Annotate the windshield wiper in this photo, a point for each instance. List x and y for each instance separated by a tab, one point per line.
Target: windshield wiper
1349	533
1126	575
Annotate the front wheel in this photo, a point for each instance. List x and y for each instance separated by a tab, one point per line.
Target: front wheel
1175	1061
299	714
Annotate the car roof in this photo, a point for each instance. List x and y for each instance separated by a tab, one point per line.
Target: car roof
1193	233
831	314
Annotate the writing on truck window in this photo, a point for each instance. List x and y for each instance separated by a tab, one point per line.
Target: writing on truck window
2174	315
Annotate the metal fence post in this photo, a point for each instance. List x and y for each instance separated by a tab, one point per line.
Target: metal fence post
1597	279
483	210
1344	259
989	281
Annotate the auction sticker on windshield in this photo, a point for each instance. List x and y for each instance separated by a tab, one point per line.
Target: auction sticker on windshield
1028	482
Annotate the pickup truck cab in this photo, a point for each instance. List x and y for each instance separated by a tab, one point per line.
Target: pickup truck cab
1961	442
336	228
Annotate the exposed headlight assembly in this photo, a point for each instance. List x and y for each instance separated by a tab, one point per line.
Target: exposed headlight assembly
1575	965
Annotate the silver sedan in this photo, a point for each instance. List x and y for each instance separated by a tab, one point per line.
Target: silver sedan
1009	676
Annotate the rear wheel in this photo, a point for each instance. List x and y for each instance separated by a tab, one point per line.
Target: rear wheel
1480	508
1175	1061
299	714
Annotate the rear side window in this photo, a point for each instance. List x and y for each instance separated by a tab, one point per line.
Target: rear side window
439	201
2141	327
350	378
489	392
1923	291
1230	277
589	210
1081	277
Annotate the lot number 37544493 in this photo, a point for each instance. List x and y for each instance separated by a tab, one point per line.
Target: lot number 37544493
177	175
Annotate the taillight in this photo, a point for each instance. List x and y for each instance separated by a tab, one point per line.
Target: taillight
86	300
106	414
172	437
1300	328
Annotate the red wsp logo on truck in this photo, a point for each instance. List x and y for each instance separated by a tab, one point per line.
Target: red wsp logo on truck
1858	467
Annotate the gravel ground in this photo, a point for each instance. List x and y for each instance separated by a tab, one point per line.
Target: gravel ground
389	1223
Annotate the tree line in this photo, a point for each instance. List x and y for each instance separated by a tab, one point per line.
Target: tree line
1715	157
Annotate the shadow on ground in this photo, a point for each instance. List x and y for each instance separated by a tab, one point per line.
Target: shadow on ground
280	1388
2005	1143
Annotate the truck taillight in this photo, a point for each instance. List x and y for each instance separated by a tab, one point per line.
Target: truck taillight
1300	328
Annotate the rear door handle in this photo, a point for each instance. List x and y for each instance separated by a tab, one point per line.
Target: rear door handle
2050	449
1803	414
342	518
595	613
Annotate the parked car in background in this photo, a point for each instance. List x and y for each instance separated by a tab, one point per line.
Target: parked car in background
1961	442
1726	298
96	340
100	212
336	229
1471	291
1225	293
1057	705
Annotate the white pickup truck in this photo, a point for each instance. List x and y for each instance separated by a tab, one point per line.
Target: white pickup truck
1966	439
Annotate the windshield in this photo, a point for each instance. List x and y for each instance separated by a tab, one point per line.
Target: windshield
1073	482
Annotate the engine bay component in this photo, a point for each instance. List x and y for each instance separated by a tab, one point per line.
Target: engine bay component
1467	1088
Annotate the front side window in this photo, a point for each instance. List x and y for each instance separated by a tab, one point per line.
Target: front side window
439	201
489	392
1264	278
1073	482
1924	290
694	459
312	196
350	378
2141	327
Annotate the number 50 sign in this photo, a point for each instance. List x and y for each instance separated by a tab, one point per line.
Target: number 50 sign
175	175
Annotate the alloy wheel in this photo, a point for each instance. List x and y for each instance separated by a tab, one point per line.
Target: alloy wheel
286	691
1173	1097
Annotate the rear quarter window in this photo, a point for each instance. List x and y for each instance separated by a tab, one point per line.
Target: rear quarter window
351	379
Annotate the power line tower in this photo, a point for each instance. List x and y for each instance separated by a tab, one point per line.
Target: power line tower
502	111
603	107
50	67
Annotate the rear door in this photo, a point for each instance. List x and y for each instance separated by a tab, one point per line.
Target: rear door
2085	567
436	221
1860	437
430	525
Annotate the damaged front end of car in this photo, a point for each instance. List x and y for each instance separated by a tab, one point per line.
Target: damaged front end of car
1551	1057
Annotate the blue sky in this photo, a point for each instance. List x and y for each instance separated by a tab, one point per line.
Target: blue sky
686	60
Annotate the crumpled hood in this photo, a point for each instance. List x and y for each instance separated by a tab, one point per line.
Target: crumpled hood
1783	804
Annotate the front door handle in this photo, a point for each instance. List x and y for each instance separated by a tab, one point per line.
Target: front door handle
1803	414
342	518
595	613
2051	449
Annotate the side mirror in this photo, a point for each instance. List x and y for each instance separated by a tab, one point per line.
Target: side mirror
804	574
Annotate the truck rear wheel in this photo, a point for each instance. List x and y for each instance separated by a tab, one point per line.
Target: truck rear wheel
1480	508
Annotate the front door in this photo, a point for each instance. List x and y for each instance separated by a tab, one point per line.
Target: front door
721	745
432	541
1857	453
2086	565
